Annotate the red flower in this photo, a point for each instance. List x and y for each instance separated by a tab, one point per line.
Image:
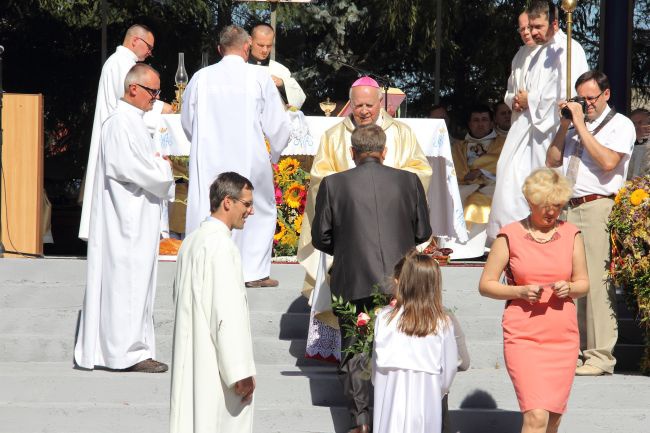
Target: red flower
362	319
278	196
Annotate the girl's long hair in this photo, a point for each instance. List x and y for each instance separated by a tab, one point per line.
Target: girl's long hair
418	295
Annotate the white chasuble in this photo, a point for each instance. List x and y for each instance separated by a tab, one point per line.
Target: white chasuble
212	340
131	181
533	129
228	109
110	90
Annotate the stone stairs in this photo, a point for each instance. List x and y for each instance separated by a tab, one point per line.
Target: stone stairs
40	302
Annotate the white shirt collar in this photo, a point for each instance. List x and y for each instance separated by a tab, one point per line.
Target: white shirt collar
122	105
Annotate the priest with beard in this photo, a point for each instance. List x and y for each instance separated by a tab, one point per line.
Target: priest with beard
540	86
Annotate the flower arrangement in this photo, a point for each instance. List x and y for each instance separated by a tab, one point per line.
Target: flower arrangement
291	183
629	226
360	324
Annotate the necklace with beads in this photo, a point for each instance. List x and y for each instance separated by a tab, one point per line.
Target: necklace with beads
539	240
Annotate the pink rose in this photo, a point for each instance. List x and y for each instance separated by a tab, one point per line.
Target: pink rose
362	319
278	195
393	302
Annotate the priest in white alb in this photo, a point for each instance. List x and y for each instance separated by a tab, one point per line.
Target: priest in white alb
535	114
136	47
212	369
131	181
228	110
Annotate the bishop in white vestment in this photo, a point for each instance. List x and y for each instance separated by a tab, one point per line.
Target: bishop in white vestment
534	126
228	109
137	46
131	181
213	368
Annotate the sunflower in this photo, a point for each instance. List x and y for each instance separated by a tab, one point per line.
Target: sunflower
293	196
297	223
620	195
280	231
290	239
637	196
288	166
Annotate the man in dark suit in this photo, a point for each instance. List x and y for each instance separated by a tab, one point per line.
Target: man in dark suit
367	218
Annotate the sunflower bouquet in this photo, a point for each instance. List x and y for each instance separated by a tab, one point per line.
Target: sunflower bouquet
629	226
291	183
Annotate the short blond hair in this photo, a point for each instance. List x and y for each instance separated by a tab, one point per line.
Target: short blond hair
547	186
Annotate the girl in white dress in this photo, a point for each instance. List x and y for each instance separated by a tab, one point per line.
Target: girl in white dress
415	355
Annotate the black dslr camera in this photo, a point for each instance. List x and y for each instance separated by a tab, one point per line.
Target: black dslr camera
566	113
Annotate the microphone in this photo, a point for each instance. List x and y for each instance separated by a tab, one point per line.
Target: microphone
2	49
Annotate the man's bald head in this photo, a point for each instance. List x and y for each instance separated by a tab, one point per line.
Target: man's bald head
262	29
139	39
262	37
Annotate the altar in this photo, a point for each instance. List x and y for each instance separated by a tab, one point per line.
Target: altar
445	207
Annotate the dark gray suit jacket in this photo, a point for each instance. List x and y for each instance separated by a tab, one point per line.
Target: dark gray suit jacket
368	217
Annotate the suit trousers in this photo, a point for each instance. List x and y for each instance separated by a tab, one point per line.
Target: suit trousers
596	311
354	372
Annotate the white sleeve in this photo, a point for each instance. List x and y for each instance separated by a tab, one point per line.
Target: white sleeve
449	357
276	124
189	106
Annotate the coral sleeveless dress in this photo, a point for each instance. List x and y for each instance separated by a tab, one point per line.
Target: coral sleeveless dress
541	340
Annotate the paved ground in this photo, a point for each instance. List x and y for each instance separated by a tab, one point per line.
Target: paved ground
41	392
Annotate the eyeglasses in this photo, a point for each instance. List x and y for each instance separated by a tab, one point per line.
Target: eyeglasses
593	99
149	46
152	92
247	204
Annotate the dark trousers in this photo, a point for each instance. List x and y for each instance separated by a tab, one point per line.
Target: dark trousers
446	427
354	373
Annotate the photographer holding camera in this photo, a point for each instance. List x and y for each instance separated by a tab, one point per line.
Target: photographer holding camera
593	147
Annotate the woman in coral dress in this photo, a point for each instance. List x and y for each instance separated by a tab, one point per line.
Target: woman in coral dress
545	266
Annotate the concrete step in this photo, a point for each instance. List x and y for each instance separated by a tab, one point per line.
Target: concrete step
283	325
268	350
54	397
36	383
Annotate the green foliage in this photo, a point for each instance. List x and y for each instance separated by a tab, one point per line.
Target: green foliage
362	334
629	226
53	47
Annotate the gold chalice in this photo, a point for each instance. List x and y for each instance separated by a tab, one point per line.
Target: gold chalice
327	106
